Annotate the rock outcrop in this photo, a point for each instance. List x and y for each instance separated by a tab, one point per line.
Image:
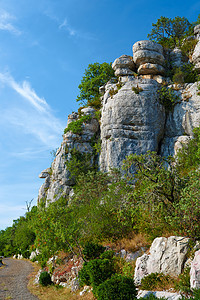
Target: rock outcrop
195	271
167	256
182	120
124	66
58	180
133	120
148	57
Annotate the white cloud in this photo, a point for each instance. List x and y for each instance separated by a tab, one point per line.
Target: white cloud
66	26
30	114
5	23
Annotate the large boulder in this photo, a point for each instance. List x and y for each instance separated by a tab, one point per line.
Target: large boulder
132	121
195	271
124	66
148	57
166	255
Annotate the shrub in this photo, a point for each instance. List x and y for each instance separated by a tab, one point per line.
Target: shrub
167	97
45	279
76	126
188	46
183	284
185	74
178	76
96	271
156	281
118	287
84	276
107	254
92	250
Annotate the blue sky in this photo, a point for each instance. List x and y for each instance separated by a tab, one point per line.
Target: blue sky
45	46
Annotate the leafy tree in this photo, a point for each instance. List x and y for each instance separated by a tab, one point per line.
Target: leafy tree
95	76
170	32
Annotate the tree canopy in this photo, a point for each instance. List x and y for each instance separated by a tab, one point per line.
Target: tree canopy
94	77
170	32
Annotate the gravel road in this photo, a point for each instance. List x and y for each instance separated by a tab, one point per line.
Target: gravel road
13	280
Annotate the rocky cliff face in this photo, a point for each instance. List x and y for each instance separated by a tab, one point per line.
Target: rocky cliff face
133	120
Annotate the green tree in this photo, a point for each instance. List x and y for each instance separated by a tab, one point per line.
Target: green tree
94	77
170	32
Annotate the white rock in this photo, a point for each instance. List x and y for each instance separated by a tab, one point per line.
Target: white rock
195	271
167	256
149	68
164	294
123	66
85	289
130	123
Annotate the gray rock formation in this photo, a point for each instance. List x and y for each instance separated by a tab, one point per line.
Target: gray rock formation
130	123
177	58
58	181
148	57
167	255
182	120
195	271
124	66
133	120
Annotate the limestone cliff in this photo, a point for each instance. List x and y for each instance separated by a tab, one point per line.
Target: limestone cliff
132	118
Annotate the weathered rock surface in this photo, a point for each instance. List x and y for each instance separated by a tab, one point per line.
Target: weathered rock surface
164	294
182	120
195	271
148	68
167	255
177	58
58	181
195	59
148	57
124	66
133	120
130	123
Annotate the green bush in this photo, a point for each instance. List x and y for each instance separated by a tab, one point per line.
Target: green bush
185	74
84	276
76	126
96	271
92	250
167	97
107	254
118	287
45	279
156	280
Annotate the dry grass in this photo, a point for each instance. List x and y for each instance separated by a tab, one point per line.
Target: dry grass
133	243
53	292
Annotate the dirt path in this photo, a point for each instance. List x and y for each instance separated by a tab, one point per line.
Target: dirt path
13	280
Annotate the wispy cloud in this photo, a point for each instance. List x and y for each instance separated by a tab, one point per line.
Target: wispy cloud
65	25
32	116
6	23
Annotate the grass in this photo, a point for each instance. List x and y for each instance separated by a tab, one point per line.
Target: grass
54	292
132	243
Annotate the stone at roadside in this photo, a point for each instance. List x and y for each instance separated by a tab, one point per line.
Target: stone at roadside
167	255
162	294
195	271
